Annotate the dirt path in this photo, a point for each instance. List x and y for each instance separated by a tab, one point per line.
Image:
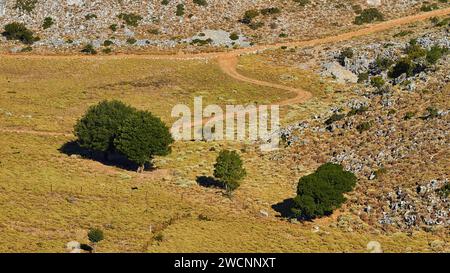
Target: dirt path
228	60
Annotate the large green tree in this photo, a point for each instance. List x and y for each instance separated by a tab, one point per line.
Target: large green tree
143	136
229	170
321	192
98	128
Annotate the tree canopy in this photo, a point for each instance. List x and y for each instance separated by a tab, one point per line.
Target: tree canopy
142	136
229	169
97	129
320	193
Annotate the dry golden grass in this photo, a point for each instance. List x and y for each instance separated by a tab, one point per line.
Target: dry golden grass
50	94
48	198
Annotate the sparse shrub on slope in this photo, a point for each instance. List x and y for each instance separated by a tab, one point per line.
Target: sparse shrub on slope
403	66
320	193
229	169
200	2
369	16
249	15
270	11
435	53
89	49
19	32
130	19
26	5
180	10
345	54
48	22
141	137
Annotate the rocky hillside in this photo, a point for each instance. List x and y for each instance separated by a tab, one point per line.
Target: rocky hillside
392	131
70	24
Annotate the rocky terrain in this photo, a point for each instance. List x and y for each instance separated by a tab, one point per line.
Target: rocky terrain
392	132
71	24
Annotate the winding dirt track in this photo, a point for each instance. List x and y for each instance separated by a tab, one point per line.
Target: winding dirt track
228	60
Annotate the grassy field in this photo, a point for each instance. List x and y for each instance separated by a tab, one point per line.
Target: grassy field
48	198
50	94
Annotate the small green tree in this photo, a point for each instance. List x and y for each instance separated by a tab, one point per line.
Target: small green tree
97	129
229	170
143	136
95	235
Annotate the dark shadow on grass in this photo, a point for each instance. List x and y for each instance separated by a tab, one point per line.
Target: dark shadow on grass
209	182
113	159
284	208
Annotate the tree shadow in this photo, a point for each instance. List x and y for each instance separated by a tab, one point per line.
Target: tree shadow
284	208
112	159
209	182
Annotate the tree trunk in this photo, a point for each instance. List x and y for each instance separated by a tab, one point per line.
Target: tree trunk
141	168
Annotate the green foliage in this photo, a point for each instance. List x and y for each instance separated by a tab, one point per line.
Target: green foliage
201	2
403	33
234	36
165	2
131	41
270	11
403	66
89	49
130	19
201	42
415	51
48	22
368	16
141	136
432	112
409	115
229	169
113	27
98	128
90	16
107	43
363	77
364	126
429	7
249	15
347	53
180	10
357	111
384	63
435	53
320	193
377	82
107	50
95	235
444	191
19	32
26	5
335	117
